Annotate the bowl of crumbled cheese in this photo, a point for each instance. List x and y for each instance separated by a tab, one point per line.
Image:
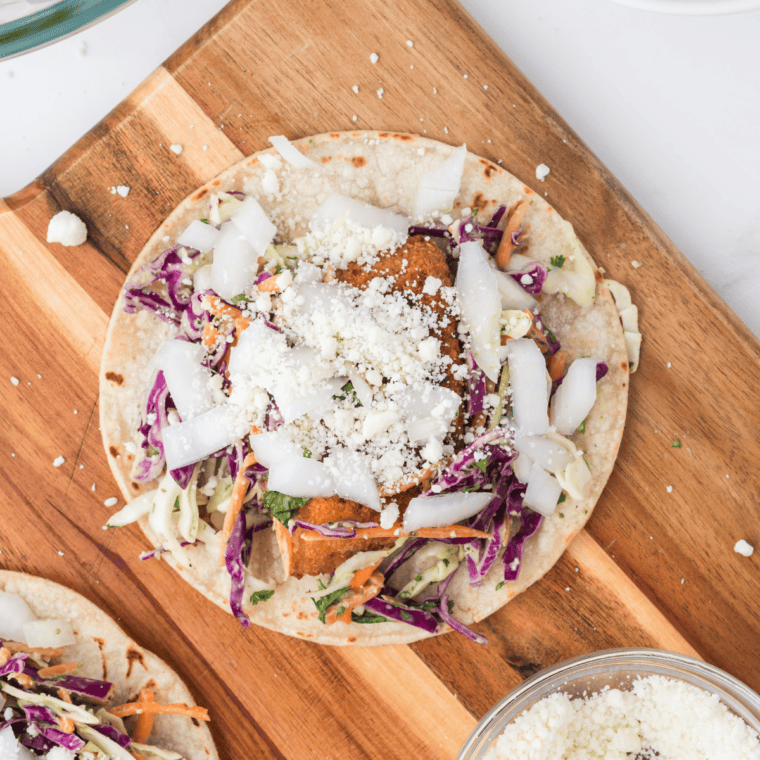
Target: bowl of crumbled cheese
622	704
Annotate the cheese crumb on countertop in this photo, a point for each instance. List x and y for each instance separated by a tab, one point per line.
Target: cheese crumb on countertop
743	548
176	148
636	264
541	171
374	57
67	229
14	381
112	502
58	461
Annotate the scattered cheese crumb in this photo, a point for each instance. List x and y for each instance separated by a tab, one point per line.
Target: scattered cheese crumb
60	554
541	171
380	93
374	57
67	229
669	489
58	461
669	365
14	381
122	190
205	147
112	502
743	548
355	88
176	148
410	43
354	117
636	264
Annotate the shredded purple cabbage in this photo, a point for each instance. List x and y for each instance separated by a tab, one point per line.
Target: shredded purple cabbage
236	557
36	713
70	741
536	273
157	407
15	664
113	734
457	625
403	613
477	387
497	216
530	522
339	529
167	268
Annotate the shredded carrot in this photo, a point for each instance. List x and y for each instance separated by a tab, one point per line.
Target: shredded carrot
285	543
269	285
450	531
363	575
136	708
66	725
255	429
556	365
235	505
14	647
504	251
136	754
58	670
64	695
535	333
144	724
220	309
210	335
22	678
5	655
348	604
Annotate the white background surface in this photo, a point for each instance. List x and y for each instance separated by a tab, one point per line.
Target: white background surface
671	104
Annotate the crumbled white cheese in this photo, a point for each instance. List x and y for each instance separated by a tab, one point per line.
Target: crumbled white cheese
58	461
409	43
355	88
176	148
271	161
541	171
636	264
112	502
270	183
122	190
657	717
431	286
389	516
374	58
14	381
743	548
67	229
669	489
380	93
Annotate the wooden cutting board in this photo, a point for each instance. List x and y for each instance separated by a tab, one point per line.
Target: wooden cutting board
656	566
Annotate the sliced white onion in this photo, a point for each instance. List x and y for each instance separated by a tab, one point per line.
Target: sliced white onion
298	476
576	277
438	187
518	261
290	153
443	510
295	401
202	278
14	613
575	478
521	467
251	220
543	491
255	341
11	748
511	294
189	442
620	293
633	349
629	316
424	429
575	397
187	379
359	213
527	378
361	386
481	306
235	263
199	235
425	399
223	206
49	633
274	447
541	449
353	479
516	323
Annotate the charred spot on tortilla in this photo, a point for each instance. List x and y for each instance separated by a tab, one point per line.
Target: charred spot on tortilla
113	451
133	656
115	377
386	170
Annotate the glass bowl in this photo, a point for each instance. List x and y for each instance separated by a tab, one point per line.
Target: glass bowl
616	668
29	24
693	7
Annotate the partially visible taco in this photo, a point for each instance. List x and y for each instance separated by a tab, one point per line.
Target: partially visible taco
315	385
74	685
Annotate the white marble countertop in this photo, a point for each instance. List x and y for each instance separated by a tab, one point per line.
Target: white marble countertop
671	104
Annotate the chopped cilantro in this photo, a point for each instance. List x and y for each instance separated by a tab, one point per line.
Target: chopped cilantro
676	444
349	388
325	602
281	506
550	335
340	610
240	298
262	596
451	606
306	453
369	617
482	464
405	616
175	508
582	427
499	585
278	269
587	464
562	497
557	261
630	366
561	515
205	221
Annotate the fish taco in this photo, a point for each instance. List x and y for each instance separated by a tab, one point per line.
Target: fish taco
74	685
364	388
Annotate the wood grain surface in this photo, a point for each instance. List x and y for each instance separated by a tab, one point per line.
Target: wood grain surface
655	567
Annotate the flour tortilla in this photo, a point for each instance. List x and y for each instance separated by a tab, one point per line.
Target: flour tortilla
381	168
107	653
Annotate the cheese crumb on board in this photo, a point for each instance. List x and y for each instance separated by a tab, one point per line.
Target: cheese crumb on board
58	461
658	717
176	149
743	548
541	171
374	58
67	229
